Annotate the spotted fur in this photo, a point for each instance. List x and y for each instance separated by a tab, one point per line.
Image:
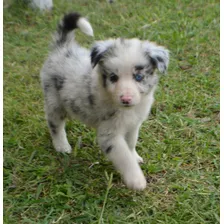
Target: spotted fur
109	87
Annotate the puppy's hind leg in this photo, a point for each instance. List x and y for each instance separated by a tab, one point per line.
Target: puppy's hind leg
56	124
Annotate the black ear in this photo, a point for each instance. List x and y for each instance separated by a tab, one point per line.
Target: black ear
96	56
158	55
98	51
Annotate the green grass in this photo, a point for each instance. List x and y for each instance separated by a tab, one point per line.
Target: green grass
179	142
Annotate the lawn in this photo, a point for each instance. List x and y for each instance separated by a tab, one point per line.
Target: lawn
179	142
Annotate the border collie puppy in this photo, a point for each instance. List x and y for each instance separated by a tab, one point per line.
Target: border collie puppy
109	87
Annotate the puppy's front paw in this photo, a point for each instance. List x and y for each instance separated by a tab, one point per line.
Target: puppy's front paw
60	147
137	157
135	181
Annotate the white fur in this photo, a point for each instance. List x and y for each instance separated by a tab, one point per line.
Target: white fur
75	89
85	26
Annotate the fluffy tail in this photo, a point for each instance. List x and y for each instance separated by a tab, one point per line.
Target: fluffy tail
70	22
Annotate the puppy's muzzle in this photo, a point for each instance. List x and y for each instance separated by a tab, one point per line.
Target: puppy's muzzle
126	100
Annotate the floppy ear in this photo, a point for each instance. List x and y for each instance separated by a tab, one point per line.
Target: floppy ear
99	50
158	55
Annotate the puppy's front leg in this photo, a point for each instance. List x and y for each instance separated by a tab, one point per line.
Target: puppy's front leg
132	137
116	149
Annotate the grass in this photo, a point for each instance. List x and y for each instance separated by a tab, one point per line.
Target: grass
179	142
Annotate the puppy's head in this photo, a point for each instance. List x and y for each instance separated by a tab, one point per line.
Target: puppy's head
127	68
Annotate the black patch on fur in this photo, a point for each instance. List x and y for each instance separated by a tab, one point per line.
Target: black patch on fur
95	56
60	113
68	54
62	117
152	61
91	99
150	71
108	116
65	100
104	77
69	23
53	127
155	61
78	110
159	59
94	53
108	149
46	87
58	82
74	107
112	114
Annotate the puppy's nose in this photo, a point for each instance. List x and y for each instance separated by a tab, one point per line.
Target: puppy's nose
126	100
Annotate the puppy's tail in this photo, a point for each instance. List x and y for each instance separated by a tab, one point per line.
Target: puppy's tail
70	22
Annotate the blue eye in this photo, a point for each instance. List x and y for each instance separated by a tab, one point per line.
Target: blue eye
138	77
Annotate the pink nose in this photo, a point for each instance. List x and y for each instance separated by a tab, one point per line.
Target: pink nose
126	99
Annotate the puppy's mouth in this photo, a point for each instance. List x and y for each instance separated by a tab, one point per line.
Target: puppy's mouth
126	105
